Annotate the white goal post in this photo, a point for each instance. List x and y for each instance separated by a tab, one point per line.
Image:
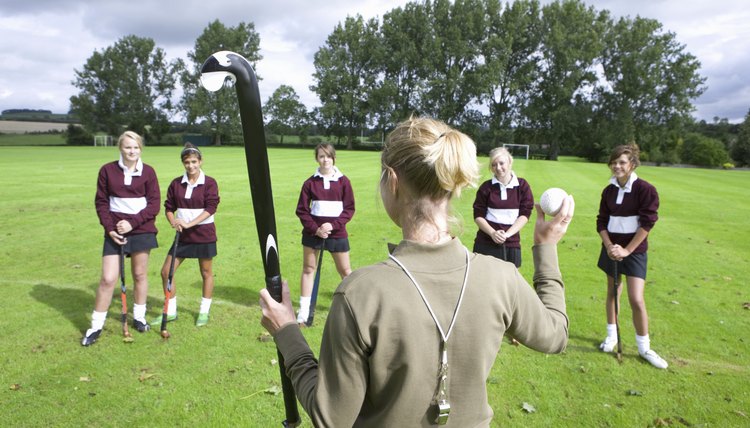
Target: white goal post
514	150
102	140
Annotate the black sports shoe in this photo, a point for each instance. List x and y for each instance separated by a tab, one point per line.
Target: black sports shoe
142	327
90	337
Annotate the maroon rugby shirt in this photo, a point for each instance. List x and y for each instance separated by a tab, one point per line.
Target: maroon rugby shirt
488	196
204	196
313	189
111	183
641	202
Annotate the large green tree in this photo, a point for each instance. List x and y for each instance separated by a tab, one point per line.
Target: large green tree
646	90
509	64
127	85
703	151
564	77
456	33
571	42
345	74
284	113
405	38
741	148
217	112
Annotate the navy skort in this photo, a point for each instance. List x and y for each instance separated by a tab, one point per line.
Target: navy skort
195	251
633	265
501	252
136	243
333	245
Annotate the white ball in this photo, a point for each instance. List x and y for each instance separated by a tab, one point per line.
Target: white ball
552	200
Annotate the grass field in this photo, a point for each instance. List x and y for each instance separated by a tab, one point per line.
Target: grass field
224	375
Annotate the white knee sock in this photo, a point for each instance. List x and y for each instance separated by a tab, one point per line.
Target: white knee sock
205	305
97	320
612	332
644	343
304	306
139	312
172	306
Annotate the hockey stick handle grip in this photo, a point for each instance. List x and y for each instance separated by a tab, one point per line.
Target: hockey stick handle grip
273	285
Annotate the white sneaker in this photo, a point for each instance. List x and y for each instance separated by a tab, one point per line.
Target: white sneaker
609	344
655	360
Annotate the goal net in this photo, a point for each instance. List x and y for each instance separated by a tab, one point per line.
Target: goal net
102	140
518	150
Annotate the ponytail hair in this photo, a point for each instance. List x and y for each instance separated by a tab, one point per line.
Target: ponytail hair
431	158
631	150
190	150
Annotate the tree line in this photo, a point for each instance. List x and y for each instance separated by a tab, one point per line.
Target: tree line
564	78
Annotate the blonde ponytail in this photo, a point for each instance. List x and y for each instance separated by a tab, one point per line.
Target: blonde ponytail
431	158
453	158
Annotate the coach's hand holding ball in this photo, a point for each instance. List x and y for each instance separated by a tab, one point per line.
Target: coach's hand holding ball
550	232
551	200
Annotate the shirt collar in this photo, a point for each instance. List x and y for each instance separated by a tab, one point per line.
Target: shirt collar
201	179
628	187
189	189
327	180
511	184
336	174
130	174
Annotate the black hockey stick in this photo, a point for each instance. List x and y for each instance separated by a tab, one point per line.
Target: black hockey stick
616	287
316	285
123	294
229	65
168	291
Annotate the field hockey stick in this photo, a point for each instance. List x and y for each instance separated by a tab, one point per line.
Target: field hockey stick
217	68
168	291
316	285
616	287
123	294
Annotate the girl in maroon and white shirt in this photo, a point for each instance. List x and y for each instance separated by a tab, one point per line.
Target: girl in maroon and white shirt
627	212
127	203
325	206
191	203
501	209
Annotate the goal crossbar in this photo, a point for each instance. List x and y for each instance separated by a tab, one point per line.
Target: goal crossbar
102	140
524	147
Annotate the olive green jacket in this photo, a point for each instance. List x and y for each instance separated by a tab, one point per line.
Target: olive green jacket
379	355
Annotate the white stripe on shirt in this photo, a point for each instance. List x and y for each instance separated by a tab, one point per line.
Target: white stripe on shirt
326	208
127	205
502	216
189	214
627	224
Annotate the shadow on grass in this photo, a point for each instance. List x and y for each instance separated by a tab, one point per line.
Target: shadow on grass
584	344
71	303
242	296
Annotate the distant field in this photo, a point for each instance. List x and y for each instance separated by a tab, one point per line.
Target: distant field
31	139
23	127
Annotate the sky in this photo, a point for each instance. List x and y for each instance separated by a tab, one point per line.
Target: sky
43	42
